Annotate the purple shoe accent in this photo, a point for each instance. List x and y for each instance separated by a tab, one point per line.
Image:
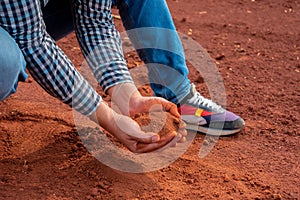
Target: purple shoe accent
226	116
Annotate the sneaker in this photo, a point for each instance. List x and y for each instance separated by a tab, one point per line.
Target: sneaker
203	115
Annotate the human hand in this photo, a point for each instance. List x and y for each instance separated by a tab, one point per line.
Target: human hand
138	141
129	132
131	102
140	104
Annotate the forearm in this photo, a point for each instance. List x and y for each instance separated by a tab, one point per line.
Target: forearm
48	65
60	78
100	42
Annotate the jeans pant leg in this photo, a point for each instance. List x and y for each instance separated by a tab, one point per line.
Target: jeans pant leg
58	19
12	65
151	29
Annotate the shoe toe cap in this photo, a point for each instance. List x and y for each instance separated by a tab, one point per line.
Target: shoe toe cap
238	123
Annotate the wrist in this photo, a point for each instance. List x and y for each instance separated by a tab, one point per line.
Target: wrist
103	115
126	96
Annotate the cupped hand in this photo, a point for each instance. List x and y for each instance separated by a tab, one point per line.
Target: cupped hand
139	104
138	141
129	132
131	102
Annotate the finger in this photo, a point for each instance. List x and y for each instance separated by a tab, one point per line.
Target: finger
172	143
144	148
173	110
182	131
170	107
132	129
182	140
167	106
182	124
147	138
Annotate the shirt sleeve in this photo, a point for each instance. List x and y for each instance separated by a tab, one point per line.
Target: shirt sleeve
46	62
100	42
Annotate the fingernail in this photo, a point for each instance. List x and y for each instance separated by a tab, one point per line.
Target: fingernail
155	138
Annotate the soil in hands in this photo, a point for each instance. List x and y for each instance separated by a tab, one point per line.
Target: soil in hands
163	123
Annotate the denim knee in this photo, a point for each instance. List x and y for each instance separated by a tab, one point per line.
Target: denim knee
12	65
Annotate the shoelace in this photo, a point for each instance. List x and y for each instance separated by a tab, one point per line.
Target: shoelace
201	101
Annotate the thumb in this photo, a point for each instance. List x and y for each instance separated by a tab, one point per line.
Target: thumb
174	110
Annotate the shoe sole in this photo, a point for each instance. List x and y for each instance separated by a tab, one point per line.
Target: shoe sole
211	131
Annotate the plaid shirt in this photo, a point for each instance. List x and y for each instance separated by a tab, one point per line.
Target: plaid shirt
50	67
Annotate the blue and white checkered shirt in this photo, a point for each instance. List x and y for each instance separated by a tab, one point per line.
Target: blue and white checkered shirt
50	67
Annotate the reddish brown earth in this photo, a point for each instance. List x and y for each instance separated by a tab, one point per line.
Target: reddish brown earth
162	123
256	45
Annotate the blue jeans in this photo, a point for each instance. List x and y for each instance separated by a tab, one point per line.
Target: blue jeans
12	65
151	29
58	18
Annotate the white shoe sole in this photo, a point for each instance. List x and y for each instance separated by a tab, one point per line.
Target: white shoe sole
211	131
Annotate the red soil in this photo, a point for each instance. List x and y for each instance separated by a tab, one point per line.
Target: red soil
256	46
162	123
